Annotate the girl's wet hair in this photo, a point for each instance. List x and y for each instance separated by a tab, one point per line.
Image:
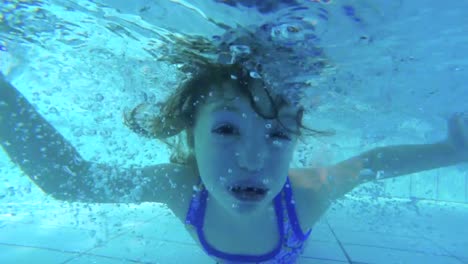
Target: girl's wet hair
178	113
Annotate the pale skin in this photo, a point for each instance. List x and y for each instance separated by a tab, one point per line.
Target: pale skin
235	144
232	144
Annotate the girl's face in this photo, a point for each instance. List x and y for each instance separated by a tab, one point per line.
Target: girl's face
243	159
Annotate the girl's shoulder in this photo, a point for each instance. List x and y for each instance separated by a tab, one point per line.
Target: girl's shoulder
309	197
182	181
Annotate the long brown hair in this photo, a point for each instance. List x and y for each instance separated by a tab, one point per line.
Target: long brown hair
176	116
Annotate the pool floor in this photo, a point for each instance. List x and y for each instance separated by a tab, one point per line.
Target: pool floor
354	230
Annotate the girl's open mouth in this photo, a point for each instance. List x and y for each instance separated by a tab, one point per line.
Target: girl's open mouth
248	193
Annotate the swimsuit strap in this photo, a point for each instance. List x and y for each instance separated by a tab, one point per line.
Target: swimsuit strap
292	213
286	220
194	216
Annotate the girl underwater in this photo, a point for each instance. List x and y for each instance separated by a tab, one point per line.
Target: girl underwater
240	150
231	186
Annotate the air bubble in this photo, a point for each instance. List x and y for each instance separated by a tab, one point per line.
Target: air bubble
53	110
277	143
99	97
255	75
173	184
380	175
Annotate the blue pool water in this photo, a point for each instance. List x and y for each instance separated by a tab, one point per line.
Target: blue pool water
396	71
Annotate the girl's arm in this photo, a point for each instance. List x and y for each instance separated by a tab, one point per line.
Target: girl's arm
387	162
49	160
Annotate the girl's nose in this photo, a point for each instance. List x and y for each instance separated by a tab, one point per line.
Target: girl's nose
251	156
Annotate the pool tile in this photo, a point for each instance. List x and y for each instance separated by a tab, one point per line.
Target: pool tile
324	251
305	260
390	256
27	255
163	228
385	240
321	232
152	250
91	259
59	238
455	246
451	188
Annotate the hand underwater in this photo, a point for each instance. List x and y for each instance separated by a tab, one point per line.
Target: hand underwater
458	133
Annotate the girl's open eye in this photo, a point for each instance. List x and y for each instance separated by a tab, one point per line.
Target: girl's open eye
229	129
225	129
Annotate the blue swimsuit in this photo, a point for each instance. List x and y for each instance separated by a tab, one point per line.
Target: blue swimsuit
290	245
